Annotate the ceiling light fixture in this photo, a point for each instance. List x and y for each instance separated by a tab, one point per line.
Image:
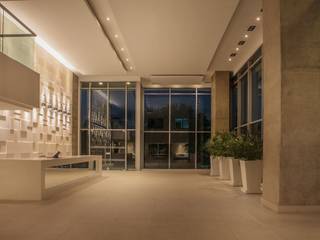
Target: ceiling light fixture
230	59
100	83
246	36
108	19
127	59
258	19
237	49
122	49
128	83
116	36
131	68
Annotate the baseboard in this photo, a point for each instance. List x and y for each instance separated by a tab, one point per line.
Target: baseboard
290	208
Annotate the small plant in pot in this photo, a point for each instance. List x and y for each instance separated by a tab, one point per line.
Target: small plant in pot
214	147
249	150
234	163
222	143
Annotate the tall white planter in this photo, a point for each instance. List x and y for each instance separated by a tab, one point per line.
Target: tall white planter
224	169
214	166
235	173
251	174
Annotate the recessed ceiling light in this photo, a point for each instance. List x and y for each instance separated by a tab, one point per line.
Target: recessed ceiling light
237	49
100	83
258	19
230	59
116	36
122	49
246	36
108	19
127	59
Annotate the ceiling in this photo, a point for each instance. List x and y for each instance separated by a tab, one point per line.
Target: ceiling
167	37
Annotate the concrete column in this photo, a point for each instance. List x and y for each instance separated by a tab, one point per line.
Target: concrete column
220	102
139	127
291	49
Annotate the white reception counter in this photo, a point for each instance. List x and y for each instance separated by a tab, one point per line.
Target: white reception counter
24	178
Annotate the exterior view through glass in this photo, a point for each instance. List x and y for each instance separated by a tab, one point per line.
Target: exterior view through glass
177	126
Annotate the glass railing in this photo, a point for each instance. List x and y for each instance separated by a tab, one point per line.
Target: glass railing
16	39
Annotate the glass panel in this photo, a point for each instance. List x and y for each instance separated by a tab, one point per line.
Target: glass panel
117	158
234	107
18	48
183	90
256	92
117	109
101	138
156	150
84	142
204	90
256	129
117	138
101	152
131	115
12	26
182	150
244	99
156	90
244	130
100	85
203	157
156	112
99	101
131	144
183	112
117	85
204	112
84	108
84	85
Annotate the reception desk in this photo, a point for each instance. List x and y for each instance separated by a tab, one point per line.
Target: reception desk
24	178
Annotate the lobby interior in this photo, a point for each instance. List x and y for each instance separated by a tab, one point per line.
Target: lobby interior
108	109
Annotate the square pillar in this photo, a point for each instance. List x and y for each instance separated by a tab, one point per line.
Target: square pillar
291	173
220	102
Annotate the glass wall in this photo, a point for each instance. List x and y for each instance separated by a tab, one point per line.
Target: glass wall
107	122
177	122
246	94
16	40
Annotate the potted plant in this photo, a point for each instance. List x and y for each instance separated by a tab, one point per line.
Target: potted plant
249	151
214	148
233	158
224	141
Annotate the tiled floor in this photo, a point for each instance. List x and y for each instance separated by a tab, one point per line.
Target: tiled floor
153	205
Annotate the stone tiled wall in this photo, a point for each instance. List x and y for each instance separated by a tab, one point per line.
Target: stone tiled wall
48	129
